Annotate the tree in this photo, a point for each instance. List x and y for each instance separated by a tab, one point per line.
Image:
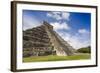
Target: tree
85	50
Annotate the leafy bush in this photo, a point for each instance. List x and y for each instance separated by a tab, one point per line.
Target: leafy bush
85	50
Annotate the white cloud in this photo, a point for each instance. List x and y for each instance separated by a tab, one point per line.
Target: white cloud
59	15
82	31
76	41
49	14
65	15
55	15
30	22
60	26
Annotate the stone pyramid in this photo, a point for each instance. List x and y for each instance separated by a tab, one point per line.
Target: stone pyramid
43	40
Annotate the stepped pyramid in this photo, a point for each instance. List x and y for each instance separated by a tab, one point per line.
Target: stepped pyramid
43	40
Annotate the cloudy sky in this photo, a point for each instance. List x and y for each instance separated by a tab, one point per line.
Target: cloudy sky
71	26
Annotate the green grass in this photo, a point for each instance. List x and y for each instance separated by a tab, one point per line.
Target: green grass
56	58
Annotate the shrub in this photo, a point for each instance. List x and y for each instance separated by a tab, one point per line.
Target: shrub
85	50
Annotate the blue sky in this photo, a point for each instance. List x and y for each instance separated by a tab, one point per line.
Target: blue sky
71	26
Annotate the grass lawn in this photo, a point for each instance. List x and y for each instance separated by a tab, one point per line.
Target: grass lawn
55	58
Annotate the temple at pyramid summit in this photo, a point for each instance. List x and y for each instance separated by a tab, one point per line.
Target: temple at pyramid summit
43	40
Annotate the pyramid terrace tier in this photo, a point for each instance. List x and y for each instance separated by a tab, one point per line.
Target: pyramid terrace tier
35	34
40	30
35	39
28	44
39	48
38	51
